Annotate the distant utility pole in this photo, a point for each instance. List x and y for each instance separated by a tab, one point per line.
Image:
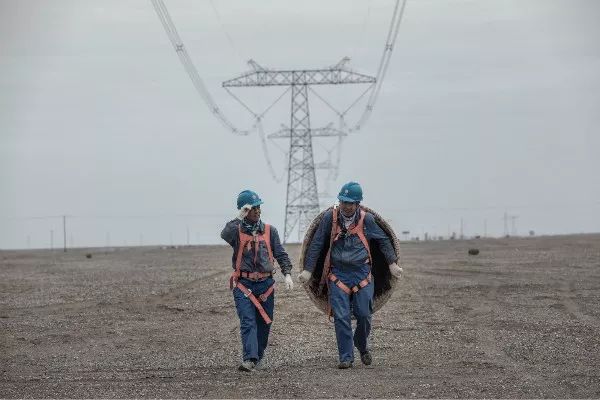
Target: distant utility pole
485	228
65	233
462	236
505	224
187	232
513	219
51	239
302	200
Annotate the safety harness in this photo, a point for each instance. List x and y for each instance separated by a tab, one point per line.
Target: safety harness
246	242
336	234
353	289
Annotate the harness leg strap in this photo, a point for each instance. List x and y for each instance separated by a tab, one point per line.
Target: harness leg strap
345	288
248	293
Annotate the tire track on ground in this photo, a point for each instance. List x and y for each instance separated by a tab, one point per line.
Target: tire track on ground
484	316
567	294
152	299
181	289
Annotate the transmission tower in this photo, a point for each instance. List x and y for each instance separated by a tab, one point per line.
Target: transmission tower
302	199
302	196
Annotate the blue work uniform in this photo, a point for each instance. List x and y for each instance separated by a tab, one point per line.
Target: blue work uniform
350	264
254	330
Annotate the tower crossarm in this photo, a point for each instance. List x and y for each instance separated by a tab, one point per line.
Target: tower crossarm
302	198
328	76
286	133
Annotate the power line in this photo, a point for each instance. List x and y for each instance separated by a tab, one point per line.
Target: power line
259	126
198	82
210	215
263	141
115	216
220	21
359	43
383	63
302	202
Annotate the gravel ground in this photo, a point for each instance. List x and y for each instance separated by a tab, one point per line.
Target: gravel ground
520	320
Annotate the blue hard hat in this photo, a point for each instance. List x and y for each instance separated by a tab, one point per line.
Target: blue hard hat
351	192
248	197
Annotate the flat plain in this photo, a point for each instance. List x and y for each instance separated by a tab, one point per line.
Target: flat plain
519	320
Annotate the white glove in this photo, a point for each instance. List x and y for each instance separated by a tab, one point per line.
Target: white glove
244	211
396	270
304	276
289	283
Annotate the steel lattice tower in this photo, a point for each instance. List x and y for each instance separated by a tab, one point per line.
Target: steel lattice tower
302	203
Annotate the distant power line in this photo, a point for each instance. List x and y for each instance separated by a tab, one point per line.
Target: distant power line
215	215
37	229
539	205
227	215
30	217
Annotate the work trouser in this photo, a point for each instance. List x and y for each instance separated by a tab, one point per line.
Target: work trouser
342	305
253	329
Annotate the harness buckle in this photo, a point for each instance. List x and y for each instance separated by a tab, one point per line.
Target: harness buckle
249	292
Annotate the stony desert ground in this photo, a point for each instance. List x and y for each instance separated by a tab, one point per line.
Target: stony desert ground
520	320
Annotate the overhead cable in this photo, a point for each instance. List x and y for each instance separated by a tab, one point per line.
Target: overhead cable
167	22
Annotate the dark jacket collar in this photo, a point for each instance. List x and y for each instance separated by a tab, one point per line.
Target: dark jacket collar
244	225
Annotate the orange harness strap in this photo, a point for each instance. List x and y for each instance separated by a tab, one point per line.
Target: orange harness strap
347	289
327	262
245	241
267	239
336	230
358	230
263	297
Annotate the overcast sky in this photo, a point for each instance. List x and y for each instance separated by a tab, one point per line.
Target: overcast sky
489	106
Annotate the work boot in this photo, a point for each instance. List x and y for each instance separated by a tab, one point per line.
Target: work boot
345	364
366	358
260	365
247	366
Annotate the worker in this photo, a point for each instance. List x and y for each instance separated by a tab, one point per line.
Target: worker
350	231
255	247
